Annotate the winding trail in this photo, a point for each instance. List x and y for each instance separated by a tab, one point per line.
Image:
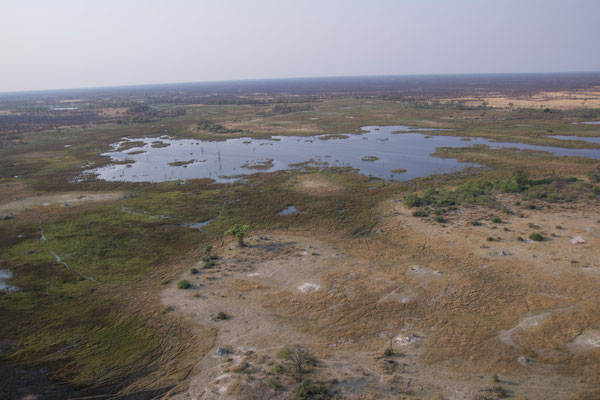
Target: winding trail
59	260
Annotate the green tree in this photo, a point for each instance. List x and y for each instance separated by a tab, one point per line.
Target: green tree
239	232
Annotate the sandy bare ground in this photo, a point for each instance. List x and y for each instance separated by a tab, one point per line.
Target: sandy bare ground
557	100
316	184
19	204
455	308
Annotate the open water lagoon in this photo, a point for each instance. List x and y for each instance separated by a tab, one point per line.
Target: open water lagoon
383	152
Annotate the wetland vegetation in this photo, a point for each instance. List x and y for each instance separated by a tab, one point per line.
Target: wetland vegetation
125	228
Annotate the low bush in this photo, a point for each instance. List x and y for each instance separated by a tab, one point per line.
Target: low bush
307	390
184	284
412	200
536	236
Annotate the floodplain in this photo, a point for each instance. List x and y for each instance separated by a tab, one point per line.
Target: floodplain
441	245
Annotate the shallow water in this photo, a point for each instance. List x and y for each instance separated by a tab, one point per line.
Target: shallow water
6	274
289	210
582	138
375	153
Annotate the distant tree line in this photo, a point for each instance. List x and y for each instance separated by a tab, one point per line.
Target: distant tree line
287	109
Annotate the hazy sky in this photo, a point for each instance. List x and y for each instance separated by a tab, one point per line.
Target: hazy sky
48	44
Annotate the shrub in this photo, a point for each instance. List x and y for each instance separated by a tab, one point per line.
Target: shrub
475	223
420	213
208	248
275	384
510	186
221	316
184	284
194	271
277	368
411	200
307	390
536	236
496	220
507	211
440	219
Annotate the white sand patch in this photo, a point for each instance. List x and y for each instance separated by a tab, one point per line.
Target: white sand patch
405	341
588	340
308	287
577	240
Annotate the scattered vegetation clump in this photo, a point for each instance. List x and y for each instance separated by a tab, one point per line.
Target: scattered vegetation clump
288	109
183	284
209	126
482	193
221	316
275	384
475	223
440	219
412	200
310	391
423	213
277	368
536	236
496	220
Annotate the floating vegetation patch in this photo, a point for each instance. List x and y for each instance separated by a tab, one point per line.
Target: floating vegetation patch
370	158
259	164
333	137
159	144
184	163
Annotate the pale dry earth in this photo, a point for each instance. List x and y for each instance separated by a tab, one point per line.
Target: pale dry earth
457	308
19	203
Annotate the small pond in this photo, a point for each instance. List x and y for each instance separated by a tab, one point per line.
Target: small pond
389	152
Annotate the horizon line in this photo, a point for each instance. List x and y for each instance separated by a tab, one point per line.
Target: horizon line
117	86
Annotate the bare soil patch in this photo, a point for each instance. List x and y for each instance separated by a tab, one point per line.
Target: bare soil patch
316	184
64	198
